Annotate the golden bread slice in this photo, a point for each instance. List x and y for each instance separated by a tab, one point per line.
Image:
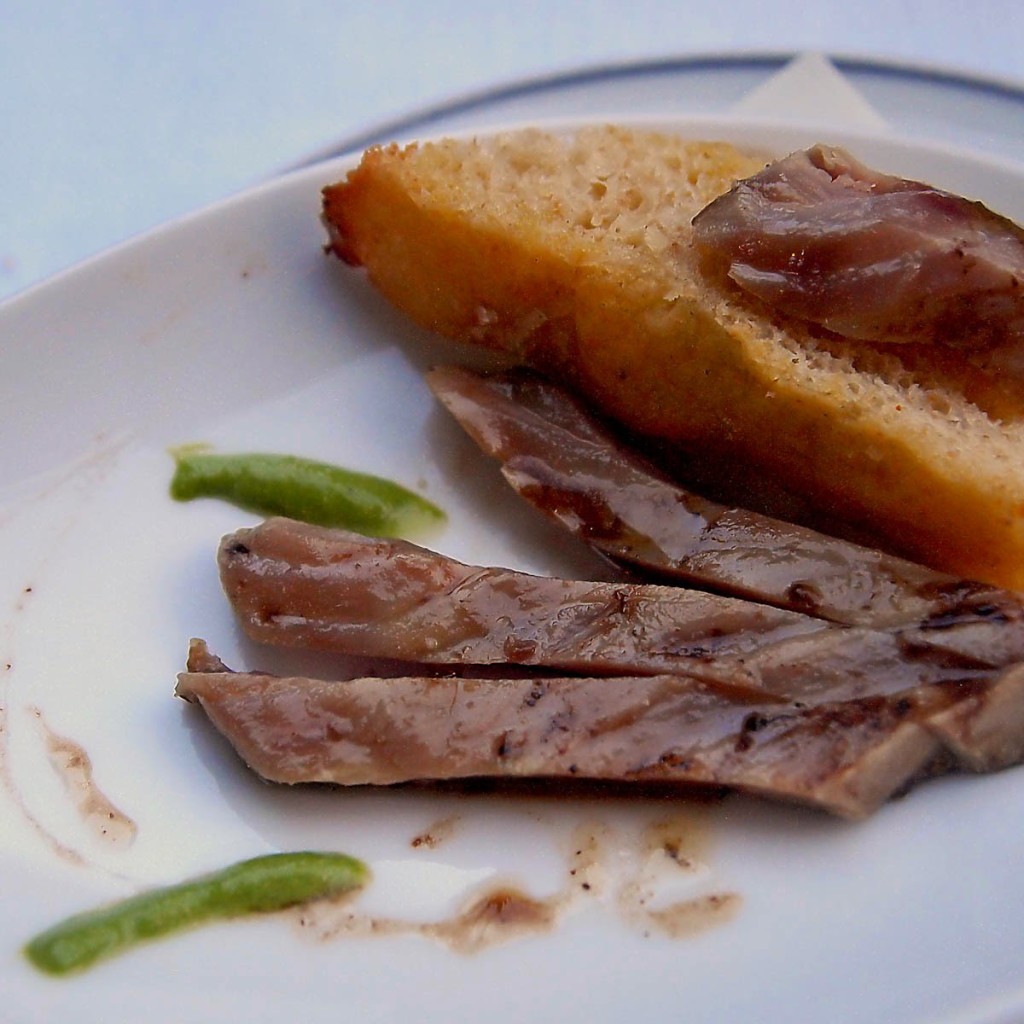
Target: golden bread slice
573	254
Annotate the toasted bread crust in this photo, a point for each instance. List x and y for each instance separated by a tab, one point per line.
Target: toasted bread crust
572	255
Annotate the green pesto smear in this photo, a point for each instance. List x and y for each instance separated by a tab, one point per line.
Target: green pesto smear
303	489
256	886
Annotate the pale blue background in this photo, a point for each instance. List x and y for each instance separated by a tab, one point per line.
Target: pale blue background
116	116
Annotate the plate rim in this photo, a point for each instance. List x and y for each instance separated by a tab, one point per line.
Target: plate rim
419	117
554	122
422	117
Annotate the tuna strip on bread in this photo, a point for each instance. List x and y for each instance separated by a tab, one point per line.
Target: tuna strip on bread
295	585
867	255
846	758
574	254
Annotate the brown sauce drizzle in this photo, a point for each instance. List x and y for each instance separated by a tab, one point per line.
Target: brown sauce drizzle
686	841
690	917
86	474
497	916
105	821
502	912
7	781
435	834
61	850
668	845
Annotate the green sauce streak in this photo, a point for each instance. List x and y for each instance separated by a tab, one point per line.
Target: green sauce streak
303	489
255	886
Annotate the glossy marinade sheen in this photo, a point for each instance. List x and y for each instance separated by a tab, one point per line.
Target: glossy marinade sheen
296	585
871	256
844	757
563	460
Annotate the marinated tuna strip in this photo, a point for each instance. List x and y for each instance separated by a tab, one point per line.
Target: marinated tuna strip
846	758
297	585
576	471
305	586
824	238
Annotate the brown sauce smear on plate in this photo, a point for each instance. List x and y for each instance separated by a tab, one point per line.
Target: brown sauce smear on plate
499	913
502	912
73	764
60	850
690	917
435	833
679	844
497	916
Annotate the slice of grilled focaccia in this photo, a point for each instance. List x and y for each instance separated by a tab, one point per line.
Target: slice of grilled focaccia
573	254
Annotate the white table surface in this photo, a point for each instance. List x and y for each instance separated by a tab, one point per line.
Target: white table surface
117	116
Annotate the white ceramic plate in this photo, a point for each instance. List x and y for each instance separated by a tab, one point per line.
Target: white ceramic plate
233	328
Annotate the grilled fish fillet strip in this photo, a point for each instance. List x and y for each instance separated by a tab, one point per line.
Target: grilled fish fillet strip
571	466
846	758
295	585
305	586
